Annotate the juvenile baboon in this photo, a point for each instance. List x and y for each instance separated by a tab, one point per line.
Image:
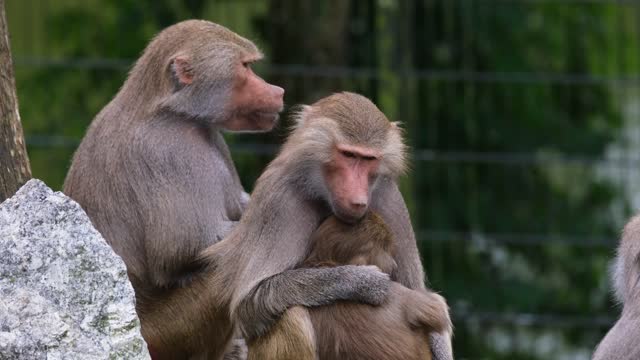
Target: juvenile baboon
397	329
622	342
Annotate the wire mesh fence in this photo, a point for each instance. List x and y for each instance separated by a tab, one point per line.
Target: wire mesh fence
522	117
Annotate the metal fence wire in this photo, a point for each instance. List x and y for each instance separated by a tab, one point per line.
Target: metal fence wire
522	117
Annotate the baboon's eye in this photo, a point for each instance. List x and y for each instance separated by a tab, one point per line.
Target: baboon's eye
348	154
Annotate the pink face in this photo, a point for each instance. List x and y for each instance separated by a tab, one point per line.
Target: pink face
348	176
255	103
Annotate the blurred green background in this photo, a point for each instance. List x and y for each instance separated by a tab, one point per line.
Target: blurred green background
522	116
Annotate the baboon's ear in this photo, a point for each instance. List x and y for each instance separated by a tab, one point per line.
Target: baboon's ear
182	70
396	125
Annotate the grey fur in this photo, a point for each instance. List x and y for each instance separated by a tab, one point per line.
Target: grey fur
153	171
622	342
237	350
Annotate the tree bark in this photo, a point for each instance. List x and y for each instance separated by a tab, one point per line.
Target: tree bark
14	163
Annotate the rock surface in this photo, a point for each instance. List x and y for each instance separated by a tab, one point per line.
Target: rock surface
64	294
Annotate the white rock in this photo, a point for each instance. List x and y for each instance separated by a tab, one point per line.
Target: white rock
64	294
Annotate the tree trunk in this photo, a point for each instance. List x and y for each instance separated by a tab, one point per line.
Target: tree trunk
14	163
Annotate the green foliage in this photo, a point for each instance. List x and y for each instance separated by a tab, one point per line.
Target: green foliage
497	90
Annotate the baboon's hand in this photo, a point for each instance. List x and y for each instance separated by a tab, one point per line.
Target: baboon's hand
370	285
438	312
430	311
237	350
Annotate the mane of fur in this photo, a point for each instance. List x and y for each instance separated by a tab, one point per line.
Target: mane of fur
625	270
346	118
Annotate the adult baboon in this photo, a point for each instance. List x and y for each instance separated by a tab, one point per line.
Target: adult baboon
622	342
153	171
342	158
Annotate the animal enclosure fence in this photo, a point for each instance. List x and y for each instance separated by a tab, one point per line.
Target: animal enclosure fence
522	117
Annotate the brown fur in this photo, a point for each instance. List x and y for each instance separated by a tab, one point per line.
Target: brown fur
291	338
368	242
621	342
396	330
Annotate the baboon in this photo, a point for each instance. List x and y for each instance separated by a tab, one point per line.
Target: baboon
397	329
153	171
622	341
348	156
